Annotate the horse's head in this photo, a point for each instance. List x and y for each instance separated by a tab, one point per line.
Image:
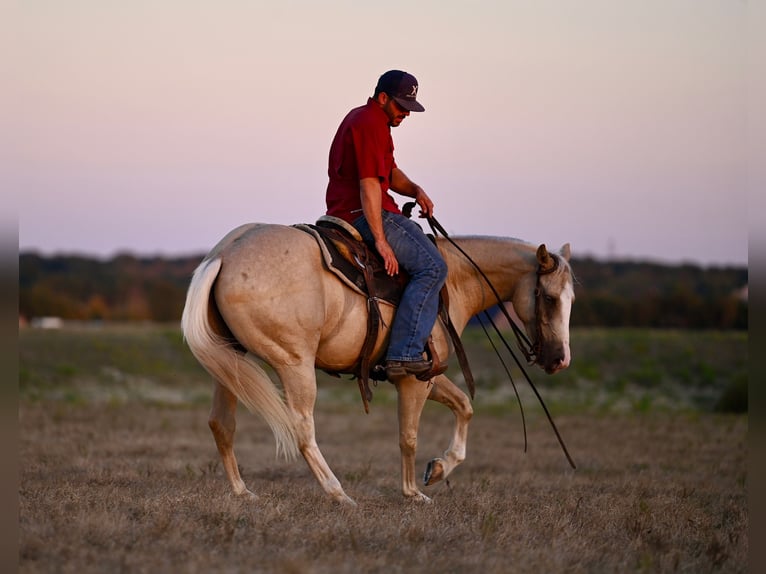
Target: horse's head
544	304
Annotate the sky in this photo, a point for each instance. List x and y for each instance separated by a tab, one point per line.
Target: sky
155	127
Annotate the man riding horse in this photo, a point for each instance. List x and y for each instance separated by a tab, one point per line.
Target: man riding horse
264	295
362	171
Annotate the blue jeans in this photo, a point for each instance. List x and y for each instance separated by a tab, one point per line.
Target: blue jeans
416	314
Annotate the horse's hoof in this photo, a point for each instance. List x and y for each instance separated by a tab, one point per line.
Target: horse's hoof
419	497
434	472
343	499
247	496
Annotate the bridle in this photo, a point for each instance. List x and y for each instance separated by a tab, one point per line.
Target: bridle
531	351
536	348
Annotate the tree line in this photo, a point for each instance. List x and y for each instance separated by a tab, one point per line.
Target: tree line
608	293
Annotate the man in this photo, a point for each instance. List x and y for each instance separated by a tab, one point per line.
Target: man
362	171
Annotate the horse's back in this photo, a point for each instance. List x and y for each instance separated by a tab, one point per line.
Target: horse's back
257	239
268	261
230	237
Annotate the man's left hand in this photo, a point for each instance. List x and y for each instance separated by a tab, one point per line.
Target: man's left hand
424	202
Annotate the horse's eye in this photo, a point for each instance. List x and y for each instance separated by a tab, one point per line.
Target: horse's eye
550	299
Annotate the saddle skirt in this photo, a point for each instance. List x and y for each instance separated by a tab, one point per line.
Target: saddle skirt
353	261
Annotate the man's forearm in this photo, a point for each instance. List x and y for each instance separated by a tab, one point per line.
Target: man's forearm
372	205
402	184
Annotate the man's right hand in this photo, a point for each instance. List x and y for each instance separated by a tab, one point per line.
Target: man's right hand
389	259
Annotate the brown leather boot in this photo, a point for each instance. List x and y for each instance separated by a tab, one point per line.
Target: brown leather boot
435	371
396	370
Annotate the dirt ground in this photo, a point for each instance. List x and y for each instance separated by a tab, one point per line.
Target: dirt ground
138	488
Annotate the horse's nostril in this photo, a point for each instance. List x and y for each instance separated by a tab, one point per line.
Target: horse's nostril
556	363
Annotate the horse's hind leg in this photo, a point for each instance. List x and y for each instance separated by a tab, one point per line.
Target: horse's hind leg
447	393
223	423
300	393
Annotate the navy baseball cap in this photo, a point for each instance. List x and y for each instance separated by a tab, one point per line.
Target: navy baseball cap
402	87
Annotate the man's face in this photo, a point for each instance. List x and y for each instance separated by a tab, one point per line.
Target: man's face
394	111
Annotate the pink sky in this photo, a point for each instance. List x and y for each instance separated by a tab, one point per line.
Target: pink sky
156	127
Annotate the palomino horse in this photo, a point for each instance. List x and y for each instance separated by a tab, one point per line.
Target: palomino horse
264	292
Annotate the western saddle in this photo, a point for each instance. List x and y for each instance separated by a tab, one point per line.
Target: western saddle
360	267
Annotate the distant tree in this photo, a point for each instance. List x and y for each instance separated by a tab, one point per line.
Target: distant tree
609	294
133	307
42	301
97	308
165	301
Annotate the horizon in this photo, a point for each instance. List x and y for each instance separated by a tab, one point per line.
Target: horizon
607	259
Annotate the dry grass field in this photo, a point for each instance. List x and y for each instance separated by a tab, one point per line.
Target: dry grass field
119	473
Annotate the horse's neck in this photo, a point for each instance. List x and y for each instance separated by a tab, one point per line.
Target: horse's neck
504	261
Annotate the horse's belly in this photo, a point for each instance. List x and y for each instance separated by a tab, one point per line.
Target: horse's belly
345	331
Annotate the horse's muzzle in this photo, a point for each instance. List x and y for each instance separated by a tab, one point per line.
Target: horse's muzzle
556	361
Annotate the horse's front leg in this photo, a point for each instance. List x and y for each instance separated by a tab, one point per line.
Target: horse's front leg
412	395
447	393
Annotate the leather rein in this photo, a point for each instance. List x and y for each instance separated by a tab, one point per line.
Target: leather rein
531	351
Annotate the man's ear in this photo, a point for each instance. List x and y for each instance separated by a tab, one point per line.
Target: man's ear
382	98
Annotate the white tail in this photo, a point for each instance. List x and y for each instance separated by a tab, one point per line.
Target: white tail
238	372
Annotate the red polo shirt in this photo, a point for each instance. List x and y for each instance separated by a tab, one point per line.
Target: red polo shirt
362	147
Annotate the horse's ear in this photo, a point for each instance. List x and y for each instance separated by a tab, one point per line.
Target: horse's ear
544	258
566	252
